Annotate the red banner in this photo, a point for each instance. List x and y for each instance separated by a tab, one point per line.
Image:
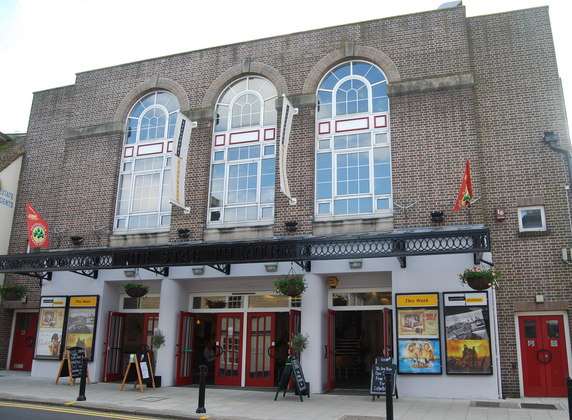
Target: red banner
37	228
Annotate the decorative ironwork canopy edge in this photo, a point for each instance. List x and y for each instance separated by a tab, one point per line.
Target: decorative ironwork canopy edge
375	245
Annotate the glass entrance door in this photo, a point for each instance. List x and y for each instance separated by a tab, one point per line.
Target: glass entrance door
260	359
228	364
185	349
113	363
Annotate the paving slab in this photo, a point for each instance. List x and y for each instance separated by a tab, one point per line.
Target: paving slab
235	404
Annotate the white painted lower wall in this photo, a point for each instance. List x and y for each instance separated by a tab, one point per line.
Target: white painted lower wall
422	274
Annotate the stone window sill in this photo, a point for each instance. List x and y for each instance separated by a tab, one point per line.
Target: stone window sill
534	234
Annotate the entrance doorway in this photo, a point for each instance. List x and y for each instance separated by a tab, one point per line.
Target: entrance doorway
127	333
267	347
543	355
23	341
359	329
233	344
358	338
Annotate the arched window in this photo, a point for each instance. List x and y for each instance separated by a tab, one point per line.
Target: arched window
243	165
143	191
353	154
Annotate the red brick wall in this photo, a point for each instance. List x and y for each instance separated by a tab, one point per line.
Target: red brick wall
518	98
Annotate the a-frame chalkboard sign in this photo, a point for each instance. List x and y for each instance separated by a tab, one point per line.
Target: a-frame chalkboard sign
139	369
72	365
380	366
293	371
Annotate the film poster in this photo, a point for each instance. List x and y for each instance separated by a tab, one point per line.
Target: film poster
81	323
50	327
467	333
418	340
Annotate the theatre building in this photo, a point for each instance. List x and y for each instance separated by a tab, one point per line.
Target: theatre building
336	155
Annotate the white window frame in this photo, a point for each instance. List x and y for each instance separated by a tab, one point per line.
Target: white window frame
335	93
331	293
122	298
231	107
131	160
140	123
227	163
542	228
244	309
376	213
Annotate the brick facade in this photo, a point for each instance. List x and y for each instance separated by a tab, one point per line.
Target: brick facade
482	88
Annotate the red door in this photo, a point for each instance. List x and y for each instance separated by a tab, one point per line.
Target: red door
543	353
112	368
185	349
228	363
294	323
330	359
150	322
260	361
24	341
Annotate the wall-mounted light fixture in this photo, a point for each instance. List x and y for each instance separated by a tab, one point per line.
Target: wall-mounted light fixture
356	264
291	225
76	240
183	233
437	216
199	270
130	272
271	268
551	137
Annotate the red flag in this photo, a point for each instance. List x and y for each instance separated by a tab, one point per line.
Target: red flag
37	228
466	191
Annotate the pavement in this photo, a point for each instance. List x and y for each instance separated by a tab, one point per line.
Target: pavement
235	404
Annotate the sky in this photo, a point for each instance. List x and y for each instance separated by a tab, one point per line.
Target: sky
43	44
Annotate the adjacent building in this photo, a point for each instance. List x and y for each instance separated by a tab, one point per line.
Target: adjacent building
11	154
384	115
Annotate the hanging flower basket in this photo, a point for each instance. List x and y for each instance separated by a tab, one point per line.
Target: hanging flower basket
13	292
478	278
290	286
136	290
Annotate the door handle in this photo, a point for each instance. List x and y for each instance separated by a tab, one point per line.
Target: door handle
270	352
325	351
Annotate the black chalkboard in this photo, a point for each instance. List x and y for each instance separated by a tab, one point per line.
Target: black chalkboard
76	355
285	377
298	375
378	370
293	370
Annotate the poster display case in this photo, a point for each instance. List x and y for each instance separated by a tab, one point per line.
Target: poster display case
51	325
467	333
418	338
81	323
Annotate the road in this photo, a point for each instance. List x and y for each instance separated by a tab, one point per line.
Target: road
25	411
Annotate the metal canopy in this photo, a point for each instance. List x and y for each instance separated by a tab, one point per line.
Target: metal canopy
401	244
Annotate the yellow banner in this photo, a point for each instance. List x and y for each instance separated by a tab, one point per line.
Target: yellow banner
83	301
412	301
